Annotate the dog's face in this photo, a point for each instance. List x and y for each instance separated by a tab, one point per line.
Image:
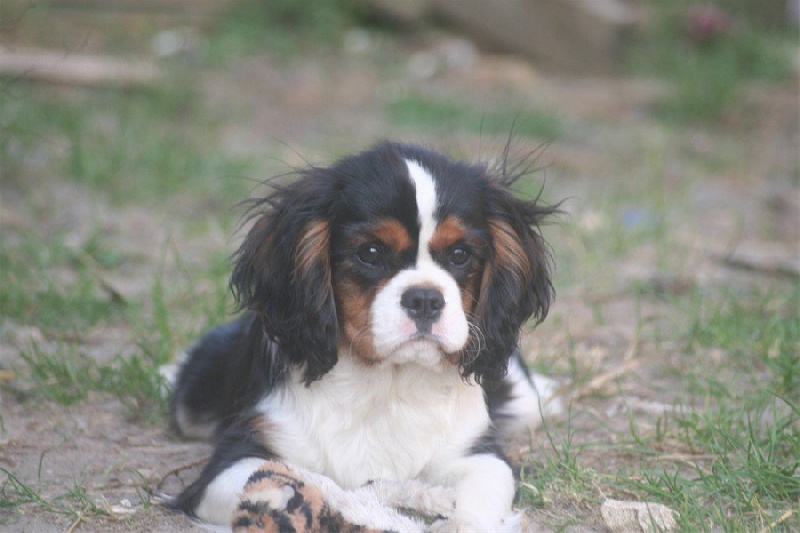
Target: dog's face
397	256
406	270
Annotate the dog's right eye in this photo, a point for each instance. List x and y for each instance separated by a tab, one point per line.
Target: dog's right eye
370	255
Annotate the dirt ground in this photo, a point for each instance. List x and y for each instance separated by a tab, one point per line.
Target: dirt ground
313	108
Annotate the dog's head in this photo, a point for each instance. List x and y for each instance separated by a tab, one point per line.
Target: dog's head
394	256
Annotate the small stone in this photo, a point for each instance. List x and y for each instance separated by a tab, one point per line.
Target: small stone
637	517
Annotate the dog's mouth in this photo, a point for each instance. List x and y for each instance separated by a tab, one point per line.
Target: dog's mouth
424	341
425	349
421	336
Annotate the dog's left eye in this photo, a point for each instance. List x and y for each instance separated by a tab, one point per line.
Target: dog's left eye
370	255
460	256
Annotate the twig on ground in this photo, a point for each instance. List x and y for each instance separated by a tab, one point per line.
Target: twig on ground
178	469
783	518
783	267
598	382
97	271
78	519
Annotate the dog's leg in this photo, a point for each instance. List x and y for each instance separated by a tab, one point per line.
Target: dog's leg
221	496
424	498
224	374
484	488
523	401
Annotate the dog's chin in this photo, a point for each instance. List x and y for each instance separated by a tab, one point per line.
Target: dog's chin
422	350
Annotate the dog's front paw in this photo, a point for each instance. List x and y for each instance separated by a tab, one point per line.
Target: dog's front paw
437	501
445	525
452	525
510	524
415	495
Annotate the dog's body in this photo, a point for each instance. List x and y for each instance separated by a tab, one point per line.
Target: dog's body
385	296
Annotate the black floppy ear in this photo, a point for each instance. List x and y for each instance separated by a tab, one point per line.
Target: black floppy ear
515	284
282	272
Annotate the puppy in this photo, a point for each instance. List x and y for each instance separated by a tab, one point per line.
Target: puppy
383	298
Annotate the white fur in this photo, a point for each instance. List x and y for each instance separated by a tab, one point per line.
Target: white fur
426	499
425	189
484	488
362	423
529	403
222	495
550	399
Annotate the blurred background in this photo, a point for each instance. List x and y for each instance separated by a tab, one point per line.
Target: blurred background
131	129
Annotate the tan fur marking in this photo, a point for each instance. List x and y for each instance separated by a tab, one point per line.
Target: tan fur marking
447	233
482	298
313	247
354	321
261	425
508	249
469	292
393	234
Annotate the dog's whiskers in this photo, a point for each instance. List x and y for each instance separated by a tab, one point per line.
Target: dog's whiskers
475	345
361	331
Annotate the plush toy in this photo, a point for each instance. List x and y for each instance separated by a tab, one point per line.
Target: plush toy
278	498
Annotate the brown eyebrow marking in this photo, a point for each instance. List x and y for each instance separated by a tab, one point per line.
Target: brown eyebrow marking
393	234
448	232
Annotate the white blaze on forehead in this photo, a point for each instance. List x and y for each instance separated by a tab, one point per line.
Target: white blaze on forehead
426	207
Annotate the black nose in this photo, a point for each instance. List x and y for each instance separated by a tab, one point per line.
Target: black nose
424	305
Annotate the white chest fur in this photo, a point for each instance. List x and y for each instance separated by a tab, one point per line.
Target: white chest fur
361	423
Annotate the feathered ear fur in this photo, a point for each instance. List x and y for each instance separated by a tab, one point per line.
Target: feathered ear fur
515	284
282	272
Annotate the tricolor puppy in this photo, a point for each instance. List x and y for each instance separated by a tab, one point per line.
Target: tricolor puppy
385	296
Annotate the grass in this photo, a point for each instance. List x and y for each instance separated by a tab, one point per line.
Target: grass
15	494
65	313
726	457
758	333
107	141
66	375
32	293
709	72
562	474
156	147
739	470
427	113
286	28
